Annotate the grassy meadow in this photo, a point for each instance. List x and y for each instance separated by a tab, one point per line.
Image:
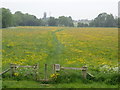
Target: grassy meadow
96	48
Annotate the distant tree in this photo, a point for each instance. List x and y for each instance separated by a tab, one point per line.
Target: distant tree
52	21
29	20
7	20
92	23
62	21
82	25
21	19
65	21
103	20
100	20
70	22
41	22
18	18
110	21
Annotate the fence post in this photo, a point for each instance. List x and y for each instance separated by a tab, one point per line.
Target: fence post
12	66
84	72
45	71
53	68
35	71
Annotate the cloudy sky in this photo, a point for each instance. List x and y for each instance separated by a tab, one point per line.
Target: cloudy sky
78	9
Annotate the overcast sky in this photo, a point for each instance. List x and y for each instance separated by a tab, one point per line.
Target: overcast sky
78	9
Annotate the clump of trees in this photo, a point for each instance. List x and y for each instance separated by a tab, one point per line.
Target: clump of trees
65	21
6	17
52	21
104	20
82	24
20	19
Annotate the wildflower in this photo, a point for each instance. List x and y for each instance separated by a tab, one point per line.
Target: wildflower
115	69
16	74
11	44
55	75
71	62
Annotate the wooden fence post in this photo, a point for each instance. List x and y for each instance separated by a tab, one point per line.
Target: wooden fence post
36	72
84	72
13	67
45	71
53	68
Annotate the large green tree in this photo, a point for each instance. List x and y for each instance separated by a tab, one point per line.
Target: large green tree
7	19
104	20
21	19
65	21
18	18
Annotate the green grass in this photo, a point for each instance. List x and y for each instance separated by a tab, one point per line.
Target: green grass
33	84
70	47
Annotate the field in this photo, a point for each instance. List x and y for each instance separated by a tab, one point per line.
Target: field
96	48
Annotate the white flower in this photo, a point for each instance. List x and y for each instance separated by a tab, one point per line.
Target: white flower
115	69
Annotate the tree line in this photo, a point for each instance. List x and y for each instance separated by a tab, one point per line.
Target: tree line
20	19
103	20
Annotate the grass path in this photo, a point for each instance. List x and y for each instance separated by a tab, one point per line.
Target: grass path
54	53
54	56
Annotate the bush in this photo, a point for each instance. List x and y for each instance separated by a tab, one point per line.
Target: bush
114	79
108	78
